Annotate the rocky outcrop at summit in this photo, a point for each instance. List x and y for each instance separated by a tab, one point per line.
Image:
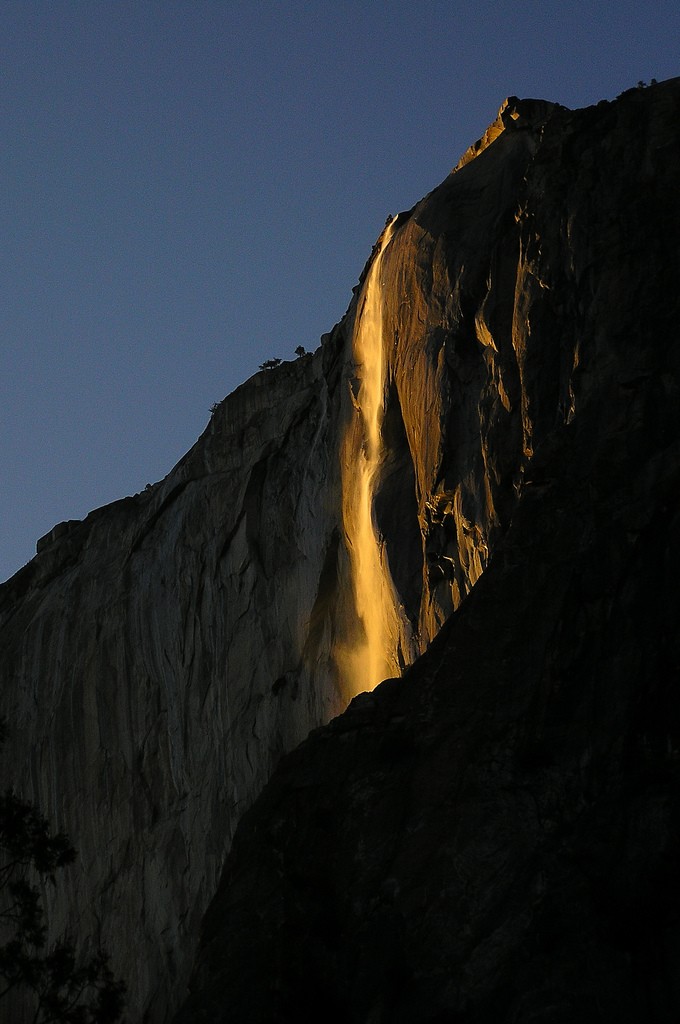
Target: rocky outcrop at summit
161	656
493	837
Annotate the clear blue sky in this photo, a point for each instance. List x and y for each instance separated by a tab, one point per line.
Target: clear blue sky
190	188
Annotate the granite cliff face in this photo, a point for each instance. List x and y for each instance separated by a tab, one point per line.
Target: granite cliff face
494	837
160	657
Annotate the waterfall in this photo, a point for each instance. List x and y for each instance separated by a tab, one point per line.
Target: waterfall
375	653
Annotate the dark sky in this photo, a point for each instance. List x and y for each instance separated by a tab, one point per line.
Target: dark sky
191	188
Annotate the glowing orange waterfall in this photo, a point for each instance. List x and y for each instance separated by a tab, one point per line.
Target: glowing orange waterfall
375	654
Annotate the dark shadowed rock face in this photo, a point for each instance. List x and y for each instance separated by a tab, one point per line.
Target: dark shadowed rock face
494	838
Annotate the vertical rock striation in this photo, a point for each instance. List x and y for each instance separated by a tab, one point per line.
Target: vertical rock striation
160	657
